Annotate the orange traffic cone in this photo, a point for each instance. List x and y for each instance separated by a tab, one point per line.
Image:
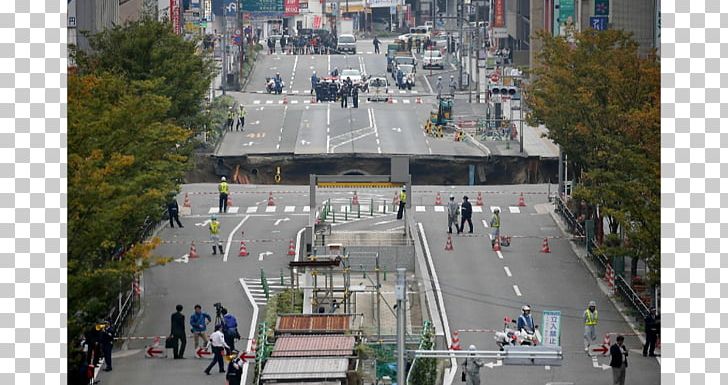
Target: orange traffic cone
291	248
448	245
243	250
496	245
418	100
521	201
545	246
187	201
193	251
438	199
285	100
253	346
229	202
479	201
455	345
355	199
395	200
313	100
270	199
389	100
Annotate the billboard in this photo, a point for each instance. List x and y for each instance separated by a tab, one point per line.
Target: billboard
267	8
382	3
566	16
174	16
291	8
499	19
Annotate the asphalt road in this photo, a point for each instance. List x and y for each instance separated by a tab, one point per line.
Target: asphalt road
291	124
479	287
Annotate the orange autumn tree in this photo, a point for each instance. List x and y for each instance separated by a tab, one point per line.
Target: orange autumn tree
601	103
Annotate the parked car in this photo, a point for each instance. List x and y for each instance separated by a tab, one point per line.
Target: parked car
351	73
432	59
346	43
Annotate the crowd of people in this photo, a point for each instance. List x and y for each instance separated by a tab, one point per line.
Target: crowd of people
302	44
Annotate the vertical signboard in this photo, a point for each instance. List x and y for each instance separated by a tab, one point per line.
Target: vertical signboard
551	328
566	16
290	8
174	16
499	19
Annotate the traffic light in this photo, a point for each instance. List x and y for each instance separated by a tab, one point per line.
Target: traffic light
512	92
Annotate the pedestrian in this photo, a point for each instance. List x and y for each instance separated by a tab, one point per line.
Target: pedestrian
178	333
241	118
173	211
453	86
215	234
452	214
229	328
619	360
217	343
652	331
355	95
495	223
344	94
230	118
591	317
271	46
400	79
471	368
199	321
438	87
235	369
222	188
106	339
314	82
525	320
402	203
467	213
283	44
376	43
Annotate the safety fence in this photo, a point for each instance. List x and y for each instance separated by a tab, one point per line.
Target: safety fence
601	262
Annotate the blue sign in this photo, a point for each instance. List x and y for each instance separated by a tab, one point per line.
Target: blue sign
392	9
551	328
599	23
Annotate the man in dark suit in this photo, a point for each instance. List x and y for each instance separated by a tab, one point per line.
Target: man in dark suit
619	360
178	333
466	212
652	330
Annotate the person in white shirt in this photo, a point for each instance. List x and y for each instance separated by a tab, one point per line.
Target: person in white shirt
217	341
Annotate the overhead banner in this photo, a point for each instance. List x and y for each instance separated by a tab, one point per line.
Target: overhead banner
291	8
499	19
268	8
174	16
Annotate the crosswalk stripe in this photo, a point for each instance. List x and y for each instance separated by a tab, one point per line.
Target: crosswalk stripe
289	209
394	101
439	209
213	210
270	209
306	209
420	209
294	101
280	102
514	209
256	101
406	101
414	92
268	102
477	209
251	209
233	210
295	91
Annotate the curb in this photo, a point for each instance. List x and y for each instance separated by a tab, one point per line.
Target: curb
581	254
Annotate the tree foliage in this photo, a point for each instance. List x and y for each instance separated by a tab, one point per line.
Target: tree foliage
148	49
601	103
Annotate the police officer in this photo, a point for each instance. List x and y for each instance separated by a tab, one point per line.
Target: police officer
525	320
652	330
402	203
235	369
355	95
215	234
173	211
241	117
106	339
222	188
466	210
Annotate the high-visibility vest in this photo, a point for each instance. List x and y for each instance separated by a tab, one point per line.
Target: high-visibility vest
242	112
591	318
223	188
214	227
403	197
495	222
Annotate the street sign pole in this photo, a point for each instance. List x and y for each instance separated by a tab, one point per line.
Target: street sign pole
399	291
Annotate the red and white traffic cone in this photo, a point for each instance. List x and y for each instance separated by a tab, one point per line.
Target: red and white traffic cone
448	245
455	345
545	246
253	346
193	251
285	100
355	199
243	250
270	199
395	200
291	249
418	100
496	245
313	100
479	201
438	199
389	100
187	201
521	201
229	202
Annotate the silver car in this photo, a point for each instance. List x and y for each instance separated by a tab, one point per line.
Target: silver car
346	43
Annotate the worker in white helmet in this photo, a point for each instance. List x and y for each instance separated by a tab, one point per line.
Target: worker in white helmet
471	368
222	188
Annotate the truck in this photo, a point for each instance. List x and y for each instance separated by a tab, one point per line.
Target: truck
346	26
393	50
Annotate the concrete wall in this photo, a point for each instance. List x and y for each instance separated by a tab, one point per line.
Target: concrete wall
130	10
637	17
94	16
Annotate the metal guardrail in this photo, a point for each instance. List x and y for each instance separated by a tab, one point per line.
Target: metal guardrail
600	261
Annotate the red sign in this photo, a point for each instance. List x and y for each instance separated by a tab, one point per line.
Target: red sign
499	14
604	349
245	355
202	352
151	352
316	22
291	8
174	16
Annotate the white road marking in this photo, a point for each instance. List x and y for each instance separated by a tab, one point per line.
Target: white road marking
252	209
294	101
268	102
420	209
406	101
477	209
230	238
306	209
270	209
233	210
518	291
261	255
500	255
256	102
514	209
439	209
253	325
485	223
508	271
373	123
279	220
289	209
295	91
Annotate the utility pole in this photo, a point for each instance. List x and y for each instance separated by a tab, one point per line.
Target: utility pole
460	44
223	83
400	291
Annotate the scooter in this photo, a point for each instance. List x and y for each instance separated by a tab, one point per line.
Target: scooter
271	87
511	336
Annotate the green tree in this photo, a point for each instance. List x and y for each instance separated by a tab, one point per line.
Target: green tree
124	163
148	49
600	101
